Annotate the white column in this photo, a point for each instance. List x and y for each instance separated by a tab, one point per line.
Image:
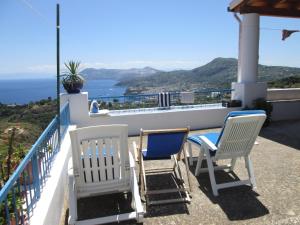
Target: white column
247	88
249	48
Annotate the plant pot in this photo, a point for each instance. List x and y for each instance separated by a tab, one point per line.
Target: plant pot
13	220
232	103
29	176
73	88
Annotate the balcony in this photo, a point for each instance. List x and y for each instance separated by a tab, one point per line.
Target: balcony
276	162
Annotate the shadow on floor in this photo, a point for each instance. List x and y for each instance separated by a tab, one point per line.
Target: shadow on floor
238	203
164	181
104	205
283	132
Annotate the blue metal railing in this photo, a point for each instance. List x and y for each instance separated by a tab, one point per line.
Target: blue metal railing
152	100
23	188
64	119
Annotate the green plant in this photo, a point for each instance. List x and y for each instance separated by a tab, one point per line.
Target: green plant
14	204
72	81
262	104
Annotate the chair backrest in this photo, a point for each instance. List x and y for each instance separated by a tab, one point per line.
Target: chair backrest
164	143
101	159
239	133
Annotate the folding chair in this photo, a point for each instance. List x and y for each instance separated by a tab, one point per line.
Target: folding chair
161	145
236	139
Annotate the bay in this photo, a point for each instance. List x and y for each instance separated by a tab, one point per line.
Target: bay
27	90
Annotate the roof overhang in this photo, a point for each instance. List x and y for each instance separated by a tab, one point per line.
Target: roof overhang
282	8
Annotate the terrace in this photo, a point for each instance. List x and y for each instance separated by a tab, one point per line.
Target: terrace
275	201
276	157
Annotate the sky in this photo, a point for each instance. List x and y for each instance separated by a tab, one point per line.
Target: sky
167	35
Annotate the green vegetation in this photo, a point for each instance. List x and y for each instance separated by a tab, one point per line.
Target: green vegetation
20	126
219	73
288	82
29	120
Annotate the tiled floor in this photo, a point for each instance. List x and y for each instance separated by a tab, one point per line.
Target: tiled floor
276	200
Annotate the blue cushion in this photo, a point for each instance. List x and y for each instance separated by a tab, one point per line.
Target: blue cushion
239	113
163	145
243	113
104	152
213	137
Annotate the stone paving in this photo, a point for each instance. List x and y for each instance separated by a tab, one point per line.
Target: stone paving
276	200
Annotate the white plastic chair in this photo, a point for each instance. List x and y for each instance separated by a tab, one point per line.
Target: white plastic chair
101	164
235	140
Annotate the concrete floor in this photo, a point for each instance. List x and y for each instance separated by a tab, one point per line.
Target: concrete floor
276	200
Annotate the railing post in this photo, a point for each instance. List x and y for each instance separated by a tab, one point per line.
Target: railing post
35	173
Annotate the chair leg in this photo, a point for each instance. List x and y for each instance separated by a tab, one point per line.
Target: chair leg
178	168
232	164
211	174
190	154
250	171
199	162
187	170
142	176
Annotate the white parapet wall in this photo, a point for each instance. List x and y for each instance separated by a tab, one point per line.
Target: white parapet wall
286	103
286	110
195	118
280	94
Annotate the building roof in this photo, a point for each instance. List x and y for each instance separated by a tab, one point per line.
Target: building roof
282	8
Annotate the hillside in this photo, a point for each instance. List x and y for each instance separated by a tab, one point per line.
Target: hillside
218	73
288	82
29	119
117	74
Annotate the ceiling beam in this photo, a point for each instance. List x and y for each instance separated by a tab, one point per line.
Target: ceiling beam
268	11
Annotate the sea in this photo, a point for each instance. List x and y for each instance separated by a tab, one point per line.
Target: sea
31	90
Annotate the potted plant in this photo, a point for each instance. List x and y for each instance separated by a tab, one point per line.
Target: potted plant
262	104
72	81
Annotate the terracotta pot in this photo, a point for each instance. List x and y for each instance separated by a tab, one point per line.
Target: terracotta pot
29	174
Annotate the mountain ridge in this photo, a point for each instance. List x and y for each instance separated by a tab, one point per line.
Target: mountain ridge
219	73
117	74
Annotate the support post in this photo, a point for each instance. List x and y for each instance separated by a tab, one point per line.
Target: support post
247	88
35	173
58	71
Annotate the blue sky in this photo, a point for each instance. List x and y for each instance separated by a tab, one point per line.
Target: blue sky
164	34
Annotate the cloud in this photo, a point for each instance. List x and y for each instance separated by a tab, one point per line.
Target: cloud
162	64
159	64
47	68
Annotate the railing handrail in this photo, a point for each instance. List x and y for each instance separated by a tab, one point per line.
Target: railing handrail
156	94
63	108
13	178
16	174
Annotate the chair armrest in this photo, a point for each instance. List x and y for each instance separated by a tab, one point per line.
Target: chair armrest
135	191
70	168
131	161
207	143
72	194
135	151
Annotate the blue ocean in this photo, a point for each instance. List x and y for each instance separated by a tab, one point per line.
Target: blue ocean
24	91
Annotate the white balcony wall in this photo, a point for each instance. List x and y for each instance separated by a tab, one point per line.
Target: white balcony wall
196	118
280	94
286	103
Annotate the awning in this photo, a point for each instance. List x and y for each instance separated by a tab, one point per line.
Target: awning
282	8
